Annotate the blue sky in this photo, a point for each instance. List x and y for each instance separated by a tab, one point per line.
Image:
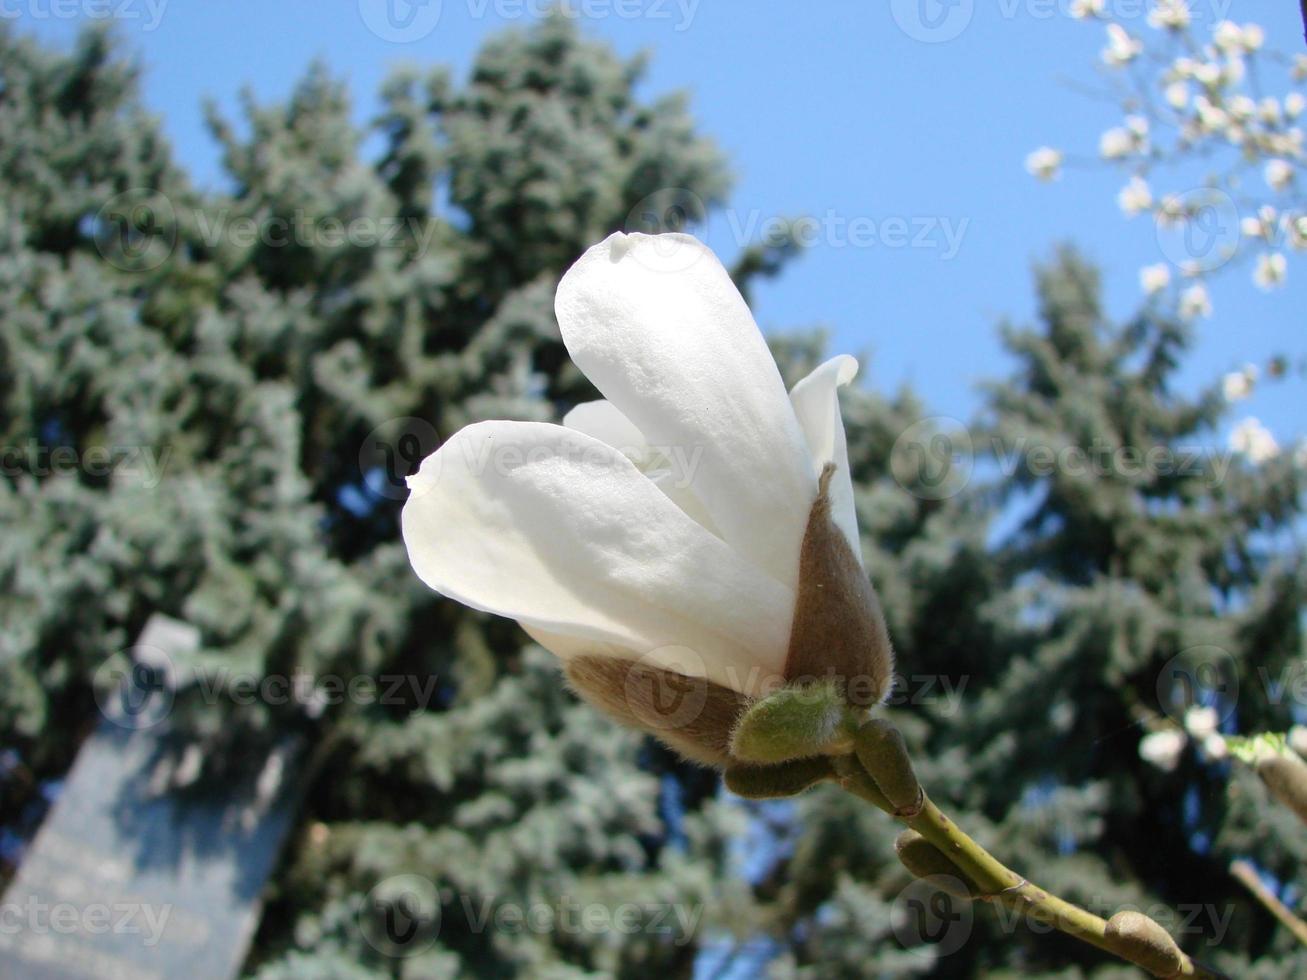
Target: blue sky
850	112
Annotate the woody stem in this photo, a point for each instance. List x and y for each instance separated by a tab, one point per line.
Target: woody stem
991	880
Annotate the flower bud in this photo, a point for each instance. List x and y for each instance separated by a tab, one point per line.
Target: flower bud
1286	778
924	860
1143	942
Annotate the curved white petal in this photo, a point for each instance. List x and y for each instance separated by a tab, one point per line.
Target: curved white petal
817	405
559	531
656	324
602	420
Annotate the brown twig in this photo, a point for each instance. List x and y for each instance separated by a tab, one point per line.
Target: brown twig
1248	877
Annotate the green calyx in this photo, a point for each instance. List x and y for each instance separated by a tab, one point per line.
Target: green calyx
792	723
759	782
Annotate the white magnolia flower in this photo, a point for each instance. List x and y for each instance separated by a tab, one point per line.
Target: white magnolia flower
1209	74
1271	270
1215	747
1268	110
1194	302
1135	197
1177	95
1163	749
1169	15
1154	278
1279	174
1297	232
1233	39
1262	225
1254	440
1242	107
1238	385
1212	118
1116	143
1201	721
666	526
1122	48
1294	103
1080	9
1044	163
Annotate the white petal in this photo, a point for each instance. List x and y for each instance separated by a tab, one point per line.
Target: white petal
561	532
817	405
656	323
603	421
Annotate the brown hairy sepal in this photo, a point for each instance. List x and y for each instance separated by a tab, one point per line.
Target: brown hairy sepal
839	632
692	715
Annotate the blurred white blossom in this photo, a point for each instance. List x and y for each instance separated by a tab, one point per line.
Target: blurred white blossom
1215	747
1233	39
1238	385
1254	440
1154	278
1116	143
1202	95
1194	302
1263	225
1169	15
1201	721
1135	197
1163	749
1271	270
1045	163
1279	174
1122	47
